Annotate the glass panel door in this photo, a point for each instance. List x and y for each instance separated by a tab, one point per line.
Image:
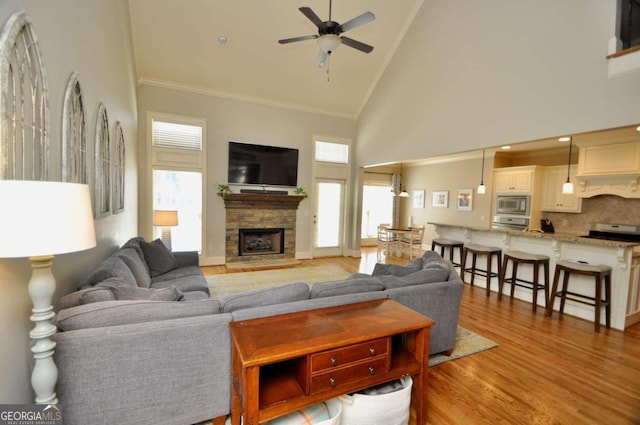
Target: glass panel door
180	191
329	218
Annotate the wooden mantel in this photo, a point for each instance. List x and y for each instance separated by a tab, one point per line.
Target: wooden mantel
262	201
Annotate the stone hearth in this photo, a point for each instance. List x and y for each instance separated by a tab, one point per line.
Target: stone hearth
260	211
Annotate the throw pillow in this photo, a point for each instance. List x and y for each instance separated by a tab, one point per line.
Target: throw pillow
97	294
159	259
164	294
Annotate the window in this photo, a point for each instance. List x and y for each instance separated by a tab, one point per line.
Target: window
332	152
177	176
24	103
377	203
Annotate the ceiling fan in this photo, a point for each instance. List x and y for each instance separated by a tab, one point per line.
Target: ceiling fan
329	31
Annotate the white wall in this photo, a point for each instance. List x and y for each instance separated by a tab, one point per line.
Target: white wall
448	176
229	119
475	74
92	38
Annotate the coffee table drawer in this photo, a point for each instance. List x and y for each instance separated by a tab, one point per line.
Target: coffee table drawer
353	353
340	376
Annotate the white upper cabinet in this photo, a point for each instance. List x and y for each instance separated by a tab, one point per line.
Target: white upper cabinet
617	159
513	179
609	170
552	198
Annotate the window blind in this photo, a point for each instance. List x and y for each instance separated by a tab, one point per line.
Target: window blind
332	152
176	136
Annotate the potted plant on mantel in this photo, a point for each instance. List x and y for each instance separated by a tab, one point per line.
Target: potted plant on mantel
223	189
301	191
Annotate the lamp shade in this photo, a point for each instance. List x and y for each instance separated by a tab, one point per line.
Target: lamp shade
165	218
40	218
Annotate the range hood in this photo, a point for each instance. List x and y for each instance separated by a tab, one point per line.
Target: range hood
609	170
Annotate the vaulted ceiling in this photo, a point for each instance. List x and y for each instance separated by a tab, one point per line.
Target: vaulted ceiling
176	44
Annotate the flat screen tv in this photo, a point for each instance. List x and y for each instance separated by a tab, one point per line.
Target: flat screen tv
262	165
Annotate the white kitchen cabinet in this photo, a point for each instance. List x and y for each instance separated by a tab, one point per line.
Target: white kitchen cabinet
552	198
513	179
615	159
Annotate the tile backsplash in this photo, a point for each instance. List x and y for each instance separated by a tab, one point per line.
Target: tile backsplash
599	209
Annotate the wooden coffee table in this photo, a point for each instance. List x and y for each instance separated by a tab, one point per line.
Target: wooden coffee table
284	363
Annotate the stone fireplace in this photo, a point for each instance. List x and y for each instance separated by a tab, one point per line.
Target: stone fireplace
260	227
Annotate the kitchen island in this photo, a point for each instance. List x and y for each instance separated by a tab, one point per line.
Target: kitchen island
623	257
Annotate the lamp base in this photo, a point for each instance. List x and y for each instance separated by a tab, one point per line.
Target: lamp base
166	237
41	288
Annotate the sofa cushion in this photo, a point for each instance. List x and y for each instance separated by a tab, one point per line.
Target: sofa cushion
184	284
159	259
347	286
305	305
393	269
289	292
113	313
113	266
420	277
137	266
179	273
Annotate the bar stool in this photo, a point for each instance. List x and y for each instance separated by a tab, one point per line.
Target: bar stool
481	250
599	272
443	243
520	257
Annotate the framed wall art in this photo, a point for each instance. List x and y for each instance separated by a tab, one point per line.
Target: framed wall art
418	198
464	199
440	199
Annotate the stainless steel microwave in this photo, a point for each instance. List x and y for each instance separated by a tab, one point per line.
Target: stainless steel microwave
513	204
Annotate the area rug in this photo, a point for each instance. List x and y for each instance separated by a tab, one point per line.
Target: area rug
221	285
467	343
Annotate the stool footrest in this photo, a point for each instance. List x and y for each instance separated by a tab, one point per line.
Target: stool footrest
580	298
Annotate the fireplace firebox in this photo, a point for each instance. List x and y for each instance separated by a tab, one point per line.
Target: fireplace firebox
261	241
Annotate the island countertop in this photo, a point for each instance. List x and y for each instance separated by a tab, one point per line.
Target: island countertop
622	257
554	236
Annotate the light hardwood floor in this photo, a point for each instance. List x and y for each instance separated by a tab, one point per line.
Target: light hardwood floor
545	370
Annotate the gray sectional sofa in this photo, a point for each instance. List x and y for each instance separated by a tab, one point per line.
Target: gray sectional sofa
141	341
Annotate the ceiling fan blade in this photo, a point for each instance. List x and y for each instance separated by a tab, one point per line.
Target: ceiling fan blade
358	45
311	15
365	18
294	39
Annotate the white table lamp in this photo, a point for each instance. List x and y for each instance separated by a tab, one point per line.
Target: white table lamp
165	219
39	219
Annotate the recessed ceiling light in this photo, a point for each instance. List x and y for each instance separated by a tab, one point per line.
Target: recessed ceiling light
222	40
506	147
565	139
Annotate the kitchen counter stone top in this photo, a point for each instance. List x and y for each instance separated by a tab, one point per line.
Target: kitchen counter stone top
553	236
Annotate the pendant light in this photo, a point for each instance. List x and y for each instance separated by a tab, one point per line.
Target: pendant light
482	189
567	187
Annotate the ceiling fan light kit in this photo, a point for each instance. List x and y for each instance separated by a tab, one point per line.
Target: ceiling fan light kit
328	37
